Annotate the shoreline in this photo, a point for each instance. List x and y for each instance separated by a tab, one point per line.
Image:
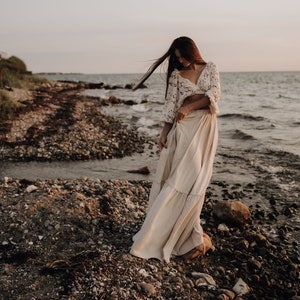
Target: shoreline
61	124
70	238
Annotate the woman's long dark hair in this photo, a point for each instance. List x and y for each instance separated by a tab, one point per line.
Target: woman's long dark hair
187	49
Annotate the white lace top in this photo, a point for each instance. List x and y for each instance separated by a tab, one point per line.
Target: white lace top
179	88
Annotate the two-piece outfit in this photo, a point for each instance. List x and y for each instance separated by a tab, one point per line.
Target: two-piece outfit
172	224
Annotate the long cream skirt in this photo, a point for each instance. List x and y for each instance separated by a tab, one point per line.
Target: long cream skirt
172	224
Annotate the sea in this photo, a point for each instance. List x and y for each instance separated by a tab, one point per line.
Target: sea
257	109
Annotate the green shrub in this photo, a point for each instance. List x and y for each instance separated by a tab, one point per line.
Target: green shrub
18	64
11	79
13	73
21	81
14	64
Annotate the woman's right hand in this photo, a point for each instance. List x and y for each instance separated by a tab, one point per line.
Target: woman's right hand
163	136
162	141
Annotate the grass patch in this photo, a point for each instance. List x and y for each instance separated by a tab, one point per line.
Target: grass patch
20	80
14	74
8	106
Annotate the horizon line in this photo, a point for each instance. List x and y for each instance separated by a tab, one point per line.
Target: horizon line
133	73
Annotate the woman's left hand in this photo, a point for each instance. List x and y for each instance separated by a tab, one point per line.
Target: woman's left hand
182	113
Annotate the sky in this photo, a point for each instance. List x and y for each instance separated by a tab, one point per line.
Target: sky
126	36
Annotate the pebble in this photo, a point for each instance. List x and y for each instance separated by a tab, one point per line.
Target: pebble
148	288
223	227
203	279
230	295
223	297
255	278
31	188
47	223
242	245
241	287
254	264
221	270
188	283
143	272
177	280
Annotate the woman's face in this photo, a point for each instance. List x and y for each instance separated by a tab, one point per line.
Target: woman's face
181	59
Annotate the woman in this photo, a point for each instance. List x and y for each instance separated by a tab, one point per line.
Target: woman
188	144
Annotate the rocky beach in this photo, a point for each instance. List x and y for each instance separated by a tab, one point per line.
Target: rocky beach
70	238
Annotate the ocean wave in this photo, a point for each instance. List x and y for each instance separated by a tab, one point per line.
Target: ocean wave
265	126
288	97
238	134
146	122
284	156
242	116
295	124
280	163
148	131
268	107
141	107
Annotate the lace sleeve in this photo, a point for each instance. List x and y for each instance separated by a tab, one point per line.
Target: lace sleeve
213	93
171	99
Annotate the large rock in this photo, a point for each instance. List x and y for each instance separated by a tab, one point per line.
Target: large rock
230	211
144	170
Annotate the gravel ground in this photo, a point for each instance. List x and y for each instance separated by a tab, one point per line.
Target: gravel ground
61	124
70	239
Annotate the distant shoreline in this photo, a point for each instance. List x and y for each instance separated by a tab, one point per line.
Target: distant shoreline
157	72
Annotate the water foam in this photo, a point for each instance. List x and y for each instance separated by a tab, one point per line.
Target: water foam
242	116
